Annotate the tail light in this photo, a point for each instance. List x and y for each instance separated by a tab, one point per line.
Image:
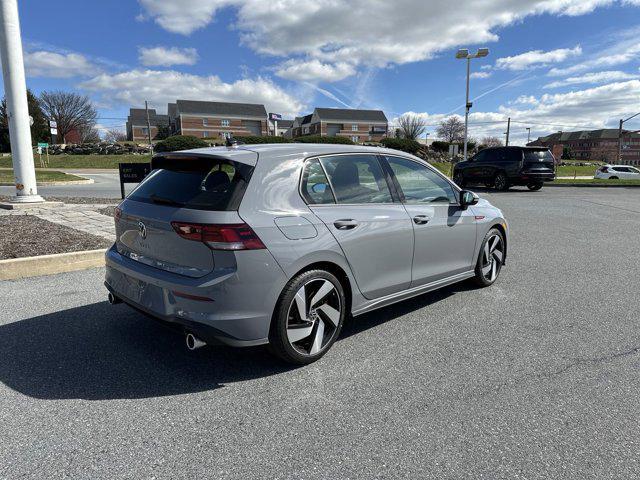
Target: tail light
237	236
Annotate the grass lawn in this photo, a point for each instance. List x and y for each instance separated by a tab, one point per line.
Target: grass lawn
570	171
83	161
596	182
6	176
443	167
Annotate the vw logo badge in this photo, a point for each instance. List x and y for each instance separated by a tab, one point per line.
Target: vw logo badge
142	230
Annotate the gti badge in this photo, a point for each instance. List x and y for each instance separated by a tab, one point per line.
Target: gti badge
142	230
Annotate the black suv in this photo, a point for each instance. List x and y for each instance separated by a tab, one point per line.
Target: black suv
502	167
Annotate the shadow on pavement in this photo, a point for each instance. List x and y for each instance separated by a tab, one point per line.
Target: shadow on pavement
100	352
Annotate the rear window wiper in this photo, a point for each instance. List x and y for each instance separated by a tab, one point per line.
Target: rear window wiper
165	201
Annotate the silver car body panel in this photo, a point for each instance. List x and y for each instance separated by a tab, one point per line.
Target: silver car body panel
380	261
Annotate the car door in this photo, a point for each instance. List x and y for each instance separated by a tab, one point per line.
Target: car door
445	234
473	173
374	232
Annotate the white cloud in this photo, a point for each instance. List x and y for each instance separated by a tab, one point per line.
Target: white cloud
166	57
593	78
314	70
596	107
537	58
619	54
484	74
161	87
332	32
58	65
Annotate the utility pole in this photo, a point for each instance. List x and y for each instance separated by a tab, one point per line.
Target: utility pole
146	108
506	143
15	89
528	134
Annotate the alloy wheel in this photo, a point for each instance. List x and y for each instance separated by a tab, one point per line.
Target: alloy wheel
492	257
314	316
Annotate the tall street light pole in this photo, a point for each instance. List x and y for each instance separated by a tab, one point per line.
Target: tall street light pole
15	89
463	53
528	134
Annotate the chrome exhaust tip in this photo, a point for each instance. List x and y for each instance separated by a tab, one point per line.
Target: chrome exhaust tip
112	299
193	342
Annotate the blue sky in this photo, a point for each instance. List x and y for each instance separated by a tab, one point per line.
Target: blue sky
553	64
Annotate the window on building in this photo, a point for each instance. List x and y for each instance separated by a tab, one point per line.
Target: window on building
355	138
226	134
205	134
205	122
305	130
354	127
225	123
145	131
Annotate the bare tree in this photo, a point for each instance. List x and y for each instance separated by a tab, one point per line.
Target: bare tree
70	111
491	142
114	135
451	130
89	135
411	126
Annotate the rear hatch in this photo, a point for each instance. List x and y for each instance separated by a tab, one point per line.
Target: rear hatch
538	162
185	210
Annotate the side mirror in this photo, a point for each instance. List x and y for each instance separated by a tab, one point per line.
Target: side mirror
468	198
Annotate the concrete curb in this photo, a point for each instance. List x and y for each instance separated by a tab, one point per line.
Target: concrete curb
14	268
49	184
589	185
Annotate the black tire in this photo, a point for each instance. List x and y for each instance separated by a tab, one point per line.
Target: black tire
534	186
500	182
279	343
458	179
481	278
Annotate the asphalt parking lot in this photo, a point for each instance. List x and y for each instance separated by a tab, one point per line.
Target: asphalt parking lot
534	377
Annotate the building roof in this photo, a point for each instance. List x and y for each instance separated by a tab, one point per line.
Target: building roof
306	119
608	133
138	116
348	114
221	108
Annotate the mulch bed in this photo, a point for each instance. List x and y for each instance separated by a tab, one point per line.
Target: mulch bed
108	211
29	236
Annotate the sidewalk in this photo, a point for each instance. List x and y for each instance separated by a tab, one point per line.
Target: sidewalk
83	217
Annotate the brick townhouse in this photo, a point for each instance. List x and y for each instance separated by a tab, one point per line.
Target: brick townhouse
217	119
137	127
596	145
358	125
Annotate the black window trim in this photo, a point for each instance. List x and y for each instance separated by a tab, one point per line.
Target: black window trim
376	155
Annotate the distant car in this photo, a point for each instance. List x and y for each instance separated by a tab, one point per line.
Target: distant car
278	244
503	167
615	172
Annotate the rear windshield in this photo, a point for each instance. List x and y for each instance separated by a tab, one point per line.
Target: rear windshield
198	183
538	156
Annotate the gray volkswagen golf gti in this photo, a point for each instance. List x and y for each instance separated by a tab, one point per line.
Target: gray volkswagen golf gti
278	244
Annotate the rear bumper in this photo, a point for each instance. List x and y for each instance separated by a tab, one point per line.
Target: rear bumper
224	307
529	177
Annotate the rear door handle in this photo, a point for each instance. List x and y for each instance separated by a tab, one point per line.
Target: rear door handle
345	224
421	219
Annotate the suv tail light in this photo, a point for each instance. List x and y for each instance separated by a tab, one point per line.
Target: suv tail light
237	236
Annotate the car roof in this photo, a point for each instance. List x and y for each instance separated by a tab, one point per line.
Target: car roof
246	153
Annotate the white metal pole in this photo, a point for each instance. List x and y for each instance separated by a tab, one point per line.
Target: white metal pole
466	109
15	90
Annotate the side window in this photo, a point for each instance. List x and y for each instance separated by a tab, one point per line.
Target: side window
315	186
357	179
420	184
480	156
513	154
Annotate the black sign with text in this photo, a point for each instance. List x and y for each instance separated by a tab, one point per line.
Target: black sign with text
132	173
